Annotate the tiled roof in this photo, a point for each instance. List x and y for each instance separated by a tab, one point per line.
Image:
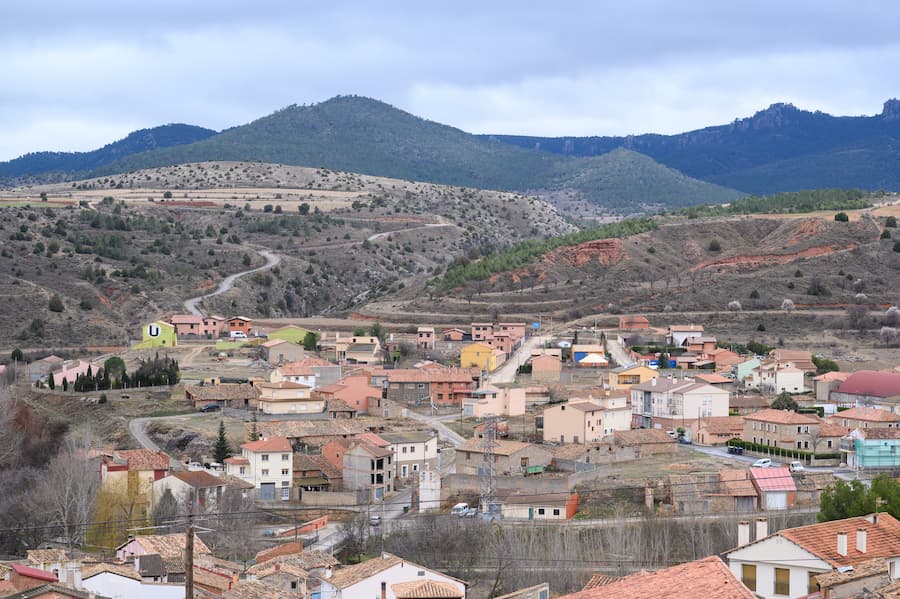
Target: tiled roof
308	461
220	392
712	379
373	450
152	564
185	319
501	447
174	564
282	385
880	433
338	405
868	414
432	375
211	562
51	589
46	556
294	547
23	570
708	578
372	439
873	383
237	460
350	575
723	425
773	479
274	342
863	570
426	589
408	437
736	483
280	444
307	560
782	417
246	589
832	430
686	327
212	579
167	545
559	499
295	369
143	459
286	567
599	580
199	479
834	375
882	539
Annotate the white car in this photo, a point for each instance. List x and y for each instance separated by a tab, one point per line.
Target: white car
762	463
797	467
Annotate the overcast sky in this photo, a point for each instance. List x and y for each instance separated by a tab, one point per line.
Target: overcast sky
77	75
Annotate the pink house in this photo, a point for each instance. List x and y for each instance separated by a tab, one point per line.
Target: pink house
482	331
199	326
71	370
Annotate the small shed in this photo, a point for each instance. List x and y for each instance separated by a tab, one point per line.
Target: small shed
775	486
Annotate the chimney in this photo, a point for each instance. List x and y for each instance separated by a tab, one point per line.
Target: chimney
762	528
743	533
861	540
842	543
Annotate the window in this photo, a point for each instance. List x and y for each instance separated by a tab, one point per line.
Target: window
284	457
748	576
829	443
265	457
284	472
541	511
556	511
782	581
243	470
265	472
813	586
798	444
412	449
404	450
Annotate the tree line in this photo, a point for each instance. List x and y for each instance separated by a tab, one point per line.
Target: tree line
788	202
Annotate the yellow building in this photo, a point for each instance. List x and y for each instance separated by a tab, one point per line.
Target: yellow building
479	355
626	376
157	334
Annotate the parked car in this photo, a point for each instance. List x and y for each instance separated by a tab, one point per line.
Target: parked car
736	449
237	335
211	407
471	512
797	467
459	509
375	520
762	463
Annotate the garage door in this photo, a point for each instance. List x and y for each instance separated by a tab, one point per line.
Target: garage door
776	501
267	491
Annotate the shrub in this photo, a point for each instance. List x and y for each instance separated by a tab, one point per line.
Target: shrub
715	245
754	294
841	217
891	222
56	303
897	246
761	327
734	306
885	234
167	195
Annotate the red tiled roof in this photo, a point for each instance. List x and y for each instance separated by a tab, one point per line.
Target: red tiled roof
143	459
33	572
882	539
872	382
372	439
426	589
708	578
271	444
433	375
712	379
869	414
781	417
199	479
294	547
236	460
295	369
834	375
773	479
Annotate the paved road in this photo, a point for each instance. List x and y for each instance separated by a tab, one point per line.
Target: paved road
507	372
138	429
720	452
617	352
444	432
191	304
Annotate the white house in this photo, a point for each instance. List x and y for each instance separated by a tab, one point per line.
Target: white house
414	451
267	464
123	582
776	377
586	420
677	334
198	490
671	403
784	564
294	372
390	577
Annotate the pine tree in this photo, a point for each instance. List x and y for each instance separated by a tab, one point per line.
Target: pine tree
65	384
254	433
222	449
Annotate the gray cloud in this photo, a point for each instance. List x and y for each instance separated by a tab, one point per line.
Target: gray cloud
77	75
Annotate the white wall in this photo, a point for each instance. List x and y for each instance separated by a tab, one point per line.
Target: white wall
370	588
777	552
114	586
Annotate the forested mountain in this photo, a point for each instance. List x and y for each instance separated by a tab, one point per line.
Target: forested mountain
62	164
781	148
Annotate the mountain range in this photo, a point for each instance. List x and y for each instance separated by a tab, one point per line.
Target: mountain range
781	148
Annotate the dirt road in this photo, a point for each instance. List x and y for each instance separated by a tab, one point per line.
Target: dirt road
226	285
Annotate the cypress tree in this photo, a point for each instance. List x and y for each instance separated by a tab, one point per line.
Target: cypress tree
222	449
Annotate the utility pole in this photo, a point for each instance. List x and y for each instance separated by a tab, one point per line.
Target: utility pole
189	560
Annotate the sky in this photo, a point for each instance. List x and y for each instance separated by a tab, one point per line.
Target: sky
77	75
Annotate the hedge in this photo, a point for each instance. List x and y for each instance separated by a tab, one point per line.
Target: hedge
781	451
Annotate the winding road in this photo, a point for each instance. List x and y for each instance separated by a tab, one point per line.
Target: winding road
138	429
226	285
378	236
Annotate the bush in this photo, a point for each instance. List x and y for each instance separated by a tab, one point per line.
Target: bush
715	245
754	294
897	246
56	303
167	195
761	327
841	217
885	234
891	222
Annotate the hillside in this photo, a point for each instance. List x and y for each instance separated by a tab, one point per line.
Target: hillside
370	137
120	251
60	165
781	148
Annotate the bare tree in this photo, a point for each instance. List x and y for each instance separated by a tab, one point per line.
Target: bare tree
11	438
787	305
856	315
888	335
734	306
892	316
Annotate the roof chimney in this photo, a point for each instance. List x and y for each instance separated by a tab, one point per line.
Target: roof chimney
842	543
861	540
743	532
762	528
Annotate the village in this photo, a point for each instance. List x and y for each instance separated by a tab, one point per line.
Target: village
326	443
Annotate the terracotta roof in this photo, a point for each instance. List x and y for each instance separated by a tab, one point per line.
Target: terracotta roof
307	560
432	375
834	375
408	437
426	589
286	567
338	405
639	436
220	392
868	414
46	556
23	570
723	425
167	545
277	444
199	479
773	479
873	383
143	459
294	547
295	369
247	589
736	483
212	579
584	405
350	575
373	450
185	319
882	539
879	433
862	570
599	580
234	482
712	379
237	460
572	451
283	385
832	430
782	417
559	499
174	564
501	447
709	578
274	342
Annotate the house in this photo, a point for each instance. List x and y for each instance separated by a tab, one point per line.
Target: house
363	351
643	441
425	337
286	578
197	490
480	356
214	325
440	385
717	430
546	368
789	562
699	345
287	398
677	334
736	492
313	472
743	369
586	420
306	434
157	335
724	359
538	591
716	380
744	404
121	581
229	395
871	448
312	371
367	467
799	359
267	464
187	325
239	324
670	403
510	457
456	335
503	343
708	578
862	417
868	577
515	331
534	506
775	377
40	369
775	486
791	430
279	351
390	577
495	400
355	390
66	567
633	323
870	388
294	372
166	546
482	331
133	472
414	451
70	370
624	377
826	383
25	578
